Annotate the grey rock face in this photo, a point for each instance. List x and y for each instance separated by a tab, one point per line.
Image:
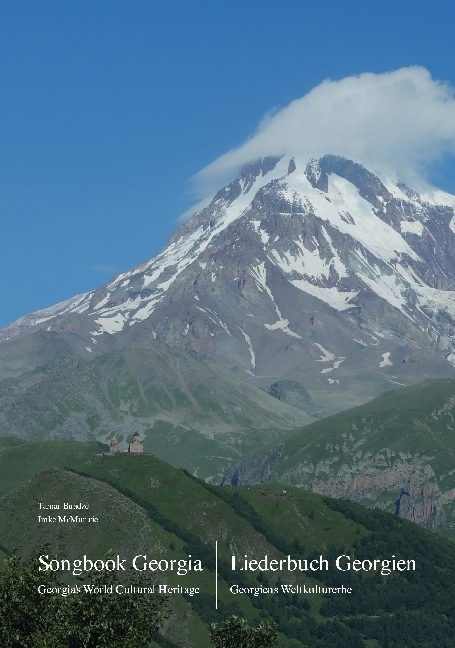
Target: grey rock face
372	481
290	392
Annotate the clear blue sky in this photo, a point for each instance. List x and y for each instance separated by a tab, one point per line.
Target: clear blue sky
108	108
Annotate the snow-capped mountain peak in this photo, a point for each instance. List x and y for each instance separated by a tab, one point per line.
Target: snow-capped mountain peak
241	281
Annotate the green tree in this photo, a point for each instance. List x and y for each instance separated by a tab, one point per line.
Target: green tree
236	633
100	619
109	620
25	614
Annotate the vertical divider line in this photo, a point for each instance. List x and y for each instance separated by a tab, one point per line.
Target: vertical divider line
216	574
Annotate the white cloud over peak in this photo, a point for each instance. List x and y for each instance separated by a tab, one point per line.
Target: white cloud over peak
396	123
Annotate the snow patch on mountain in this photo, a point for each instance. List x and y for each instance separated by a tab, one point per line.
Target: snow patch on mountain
216	319
110	324
250	347
360	342
327	356
385	362
282	325
436	300
337	299
263	234
260	274
309	262
386	286
412	227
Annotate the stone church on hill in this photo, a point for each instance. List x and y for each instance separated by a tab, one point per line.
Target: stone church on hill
134	447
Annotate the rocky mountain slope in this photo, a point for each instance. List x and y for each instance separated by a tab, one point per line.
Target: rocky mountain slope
316	272
396	453
186	409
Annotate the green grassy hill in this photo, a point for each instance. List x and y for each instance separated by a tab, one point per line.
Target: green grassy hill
145	506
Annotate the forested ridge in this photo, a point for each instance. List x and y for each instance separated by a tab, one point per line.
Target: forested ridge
185	515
